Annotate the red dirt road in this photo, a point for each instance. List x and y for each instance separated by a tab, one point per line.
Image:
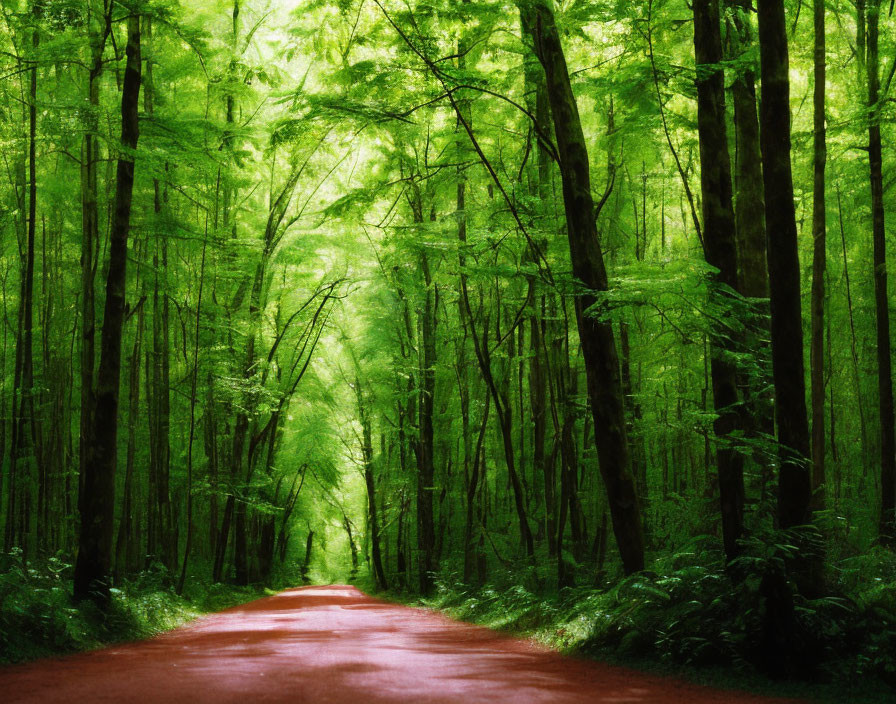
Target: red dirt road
336	645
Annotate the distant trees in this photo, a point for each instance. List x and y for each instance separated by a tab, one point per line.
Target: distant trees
158	228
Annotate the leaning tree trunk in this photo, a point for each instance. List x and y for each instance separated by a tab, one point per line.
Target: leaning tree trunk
595	333
483	356
720	243
92	568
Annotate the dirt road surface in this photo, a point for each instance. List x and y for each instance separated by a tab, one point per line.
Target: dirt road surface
336	645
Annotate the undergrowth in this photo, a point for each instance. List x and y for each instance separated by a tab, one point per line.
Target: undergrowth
690	615
38	617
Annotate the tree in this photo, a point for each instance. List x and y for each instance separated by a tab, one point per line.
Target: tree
595	333
720	244
794	489
819	260
881	296
93	567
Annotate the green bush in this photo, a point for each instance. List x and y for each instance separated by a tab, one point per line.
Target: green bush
692	612
39	618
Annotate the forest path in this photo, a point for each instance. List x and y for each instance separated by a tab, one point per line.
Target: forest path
336	645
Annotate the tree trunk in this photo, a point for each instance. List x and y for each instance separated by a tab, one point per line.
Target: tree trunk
379	574
750	200
596	334
749	212
472	531
819	263
166	544
92	568
720	245
306	564
425	460
124	545
794	488
881	300
89	246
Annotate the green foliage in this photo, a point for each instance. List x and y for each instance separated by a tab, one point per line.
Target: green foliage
39	618
300	144
690	612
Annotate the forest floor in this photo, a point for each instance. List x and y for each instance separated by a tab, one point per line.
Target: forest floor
39	619
337	645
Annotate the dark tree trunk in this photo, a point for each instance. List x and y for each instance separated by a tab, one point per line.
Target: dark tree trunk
92	568
89	244
639	459
379	574
223	539
794	488
306	564
539	191
749	212
819	263
881	299
24	451
474	487
124	545
750	200
595	333
720	245
165	541
425	445
351	544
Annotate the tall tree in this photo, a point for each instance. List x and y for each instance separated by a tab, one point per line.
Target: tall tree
794	488
23	452
99	29
720	244
819	259
425	445
92	568
162	544
750	209
881	297
379	572
595	332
